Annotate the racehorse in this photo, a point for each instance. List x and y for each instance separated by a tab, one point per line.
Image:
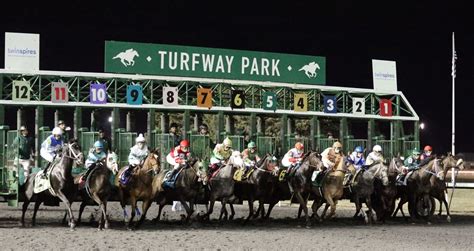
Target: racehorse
62	182
144	184
222	185
384	196
362	187
300	183
188	184
259	185
332	189
98	187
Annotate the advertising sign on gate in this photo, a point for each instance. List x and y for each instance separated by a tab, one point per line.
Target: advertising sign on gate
59	92
170	96
189	61
134	95
204	97
98	94
21	90
22	51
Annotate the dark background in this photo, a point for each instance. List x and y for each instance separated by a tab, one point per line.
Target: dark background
349	35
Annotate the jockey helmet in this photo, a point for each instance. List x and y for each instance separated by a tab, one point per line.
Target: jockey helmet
359	149
251	145
299	146
57	131
227	142
23	128
377	149
140	139
184	143
99	144
60	122
337	144
428	148
415	152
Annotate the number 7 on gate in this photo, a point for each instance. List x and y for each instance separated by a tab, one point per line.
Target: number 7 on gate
204	97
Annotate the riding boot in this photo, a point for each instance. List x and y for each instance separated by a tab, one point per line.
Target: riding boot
45	170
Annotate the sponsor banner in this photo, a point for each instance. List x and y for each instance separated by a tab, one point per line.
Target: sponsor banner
384	75
187	61
22	51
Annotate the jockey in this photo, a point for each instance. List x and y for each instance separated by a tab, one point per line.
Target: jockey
330	155
357	158
426	155
293	157
410	164
95	155
138	152
250	156
51	146
375	156
178	156
221	154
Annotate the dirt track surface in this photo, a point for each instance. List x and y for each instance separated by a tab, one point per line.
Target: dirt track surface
283	231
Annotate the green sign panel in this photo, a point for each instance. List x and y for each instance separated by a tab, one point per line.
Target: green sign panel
187	61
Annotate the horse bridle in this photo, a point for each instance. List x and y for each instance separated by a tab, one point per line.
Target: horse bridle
71	151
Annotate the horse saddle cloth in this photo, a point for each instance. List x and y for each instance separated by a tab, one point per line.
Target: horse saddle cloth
317	178
42	183
125	176
170	180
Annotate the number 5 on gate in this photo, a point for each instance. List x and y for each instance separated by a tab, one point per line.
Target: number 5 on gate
204	98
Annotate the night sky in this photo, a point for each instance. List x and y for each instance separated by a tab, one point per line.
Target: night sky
418	37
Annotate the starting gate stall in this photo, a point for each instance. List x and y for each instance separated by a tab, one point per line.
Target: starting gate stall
261	88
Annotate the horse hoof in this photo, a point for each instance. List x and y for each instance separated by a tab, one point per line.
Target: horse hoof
448	219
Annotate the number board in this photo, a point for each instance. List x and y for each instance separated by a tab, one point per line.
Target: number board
358	106
204	97
134	95
300	102
386	107
59	92
21	91
330	104
269	101
170	96
98	94
237	99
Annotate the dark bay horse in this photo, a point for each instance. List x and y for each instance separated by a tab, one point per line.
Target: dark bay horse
144	184
384	196
99	188
62	182
222	185
259	185
188	184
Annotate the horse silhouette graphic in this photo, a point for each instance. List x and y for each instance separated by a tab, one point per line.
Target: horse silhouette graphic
126	57
310	69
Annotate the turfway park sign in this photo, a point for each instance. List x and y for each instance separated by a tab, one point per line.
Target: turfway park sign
187	61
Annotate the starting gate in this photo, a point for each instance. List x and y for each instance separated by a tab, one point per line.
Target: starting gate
124	141
266	145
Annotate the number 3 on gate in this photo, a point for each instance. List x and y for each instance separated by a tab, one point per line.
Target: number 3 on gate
301	102
134	95
330	105
98	94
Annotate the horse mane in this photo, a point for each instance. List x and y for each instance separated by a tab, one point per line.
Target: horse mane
262	160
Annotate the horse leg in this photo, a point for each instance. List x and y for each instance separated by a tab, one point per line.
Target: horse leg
302	202
323	214
145	206
332	203
133	204
259	209
106	217
23	211
65	200
101	219
223	209
81	210
250	201
368	203
232	211
270	208
358	206
448	218
188	208
37	205
262	213
210	209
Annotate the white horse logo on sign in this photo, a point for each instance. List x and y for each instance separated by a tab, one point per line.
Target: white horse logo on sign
310	69
126	57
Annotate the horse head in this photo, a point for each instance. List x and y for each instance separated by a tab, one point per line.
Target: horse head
201	171
73	151
152	161
381	172
395	165
451	161
236	160
111	162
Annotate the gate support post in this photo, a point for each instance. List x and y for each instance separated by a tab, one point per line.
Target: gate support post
283	132
395	137
261	125
220	125
253	125
77	121
164	122
196	121
370	133
19	118
314	132
343	131
39	113
186	124
128	125
56	118
416	131
114	127
92	129
229	124
150	125
2	107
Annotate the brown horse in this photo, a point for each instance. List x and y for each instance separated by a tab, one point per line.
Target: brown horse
99	188
144	184
188	184
332	189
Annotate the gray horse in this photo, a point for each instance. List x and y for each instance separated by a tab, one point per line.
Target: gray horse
62	182
222	185
188	184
